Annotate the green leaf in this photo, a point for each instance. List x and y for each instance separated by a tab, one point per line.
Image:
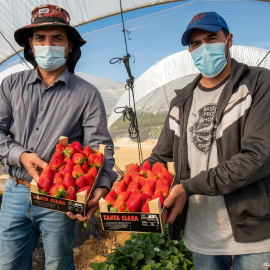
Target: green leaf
94	266
111	267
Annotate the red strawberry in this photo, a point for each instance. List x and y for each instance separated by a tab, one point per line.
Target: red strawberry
165	174
95	160
87	150
157	169
147	190
162	182
80	182
68	181
71	193
110	198
89	179
58	190
145	207
119	187
145	197
69	151
87	188
59	148
85	166
133	203
57	155
151	176
65	169
164	190
58	178
68	161
127	179
151	183
48	172
57	161
77	171
124	195
134	168
93	171
159	195
78	158
135	193
118	206
145	167
76	145
44	184
133	186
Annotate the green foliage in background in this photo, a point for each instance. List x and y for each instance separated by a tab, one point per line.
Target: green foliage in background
146	251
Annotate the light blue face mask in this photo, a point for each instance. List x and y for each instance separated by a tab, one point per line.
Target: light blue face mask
210	58
50	58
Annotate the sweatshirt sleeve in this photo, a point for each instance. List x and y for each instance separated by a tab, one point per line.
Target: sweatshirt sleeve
252	163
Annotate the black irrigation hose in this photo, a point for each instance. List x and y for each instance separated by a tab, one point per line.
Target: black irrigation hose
263	58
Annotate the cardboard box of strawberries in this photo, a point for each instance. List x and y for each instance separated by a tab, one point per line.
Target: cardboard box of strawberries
135	203
69	179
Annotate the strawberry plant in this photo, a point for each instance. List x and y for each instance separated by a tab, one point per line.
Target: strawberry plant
146	251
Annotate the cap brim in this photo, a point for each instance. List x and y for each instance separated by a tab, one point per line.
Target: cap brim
209	28
21	35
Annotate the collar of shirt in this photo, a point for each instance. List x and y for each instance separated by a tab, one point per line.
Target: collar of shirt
64	77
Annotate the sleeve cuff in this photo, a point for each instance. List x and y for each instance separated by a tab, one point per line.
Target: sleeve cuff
15	154
107	179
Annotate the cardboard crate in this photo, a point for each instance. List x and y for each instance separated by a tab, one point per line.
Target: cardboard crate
153	222
61	204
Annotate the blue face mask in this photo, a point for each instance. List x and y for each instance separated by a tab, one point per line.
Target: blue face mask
50	58
210	58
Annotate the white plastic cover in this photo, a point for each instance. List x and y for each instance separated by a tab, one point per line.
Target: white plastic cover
170	69
15	14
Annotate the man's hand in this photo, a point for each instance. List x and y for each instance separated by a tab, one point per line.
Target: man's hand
92	204
33	164
176	200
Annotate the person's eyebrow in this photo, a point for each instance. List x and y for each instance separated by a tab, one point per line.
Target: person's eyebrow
43	35
198	40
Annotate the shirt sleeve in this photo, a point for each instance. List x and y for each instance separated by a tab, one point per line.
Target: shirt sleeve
10	150
95	133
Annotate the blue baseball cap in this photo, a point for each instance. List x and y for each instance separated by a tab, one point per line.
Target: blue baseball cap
208	21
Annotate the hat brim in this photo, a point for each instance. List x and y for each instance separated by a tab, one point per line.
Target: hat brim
21	35
209	28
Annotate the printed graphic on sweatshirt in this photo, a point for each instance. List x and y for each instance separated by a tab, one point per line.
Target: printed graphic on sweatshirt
203	129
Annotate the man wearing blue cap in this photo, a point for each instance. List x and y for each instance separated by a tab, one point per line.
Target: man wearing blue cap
217	134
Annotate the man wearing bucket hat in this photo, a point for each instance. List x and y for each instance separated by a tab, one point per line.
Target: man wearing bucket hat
36	108
217	134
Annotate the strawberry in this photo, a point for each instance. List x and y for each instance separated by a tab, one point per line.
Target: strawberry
87	150
58	190
164	190
124	195
68	161
57	161
162	182
147	190
69	151
58	178
89	179
165	174
65	169
119	187
44	184
57	155
127	179
93	171
151	183
76	145
145	207
85	166
118	206
146	166
132	186
87	188
77	171
48	172
68	181
133	203
59	148
95	160
110	198
135	193
152	176
80	182
145	197
71	193
157	169
78	158
134	168
158	194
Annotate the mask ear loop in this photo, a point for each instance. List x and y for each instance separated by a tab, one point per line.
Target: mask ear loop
226	43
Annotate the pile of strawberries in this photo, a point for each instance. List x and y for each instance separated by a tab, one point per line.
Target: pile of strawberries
72	169
138	187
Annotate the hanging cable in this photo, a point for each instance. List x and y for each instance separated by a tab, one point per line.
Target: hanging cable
263	58
119	170
128	112
22	59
